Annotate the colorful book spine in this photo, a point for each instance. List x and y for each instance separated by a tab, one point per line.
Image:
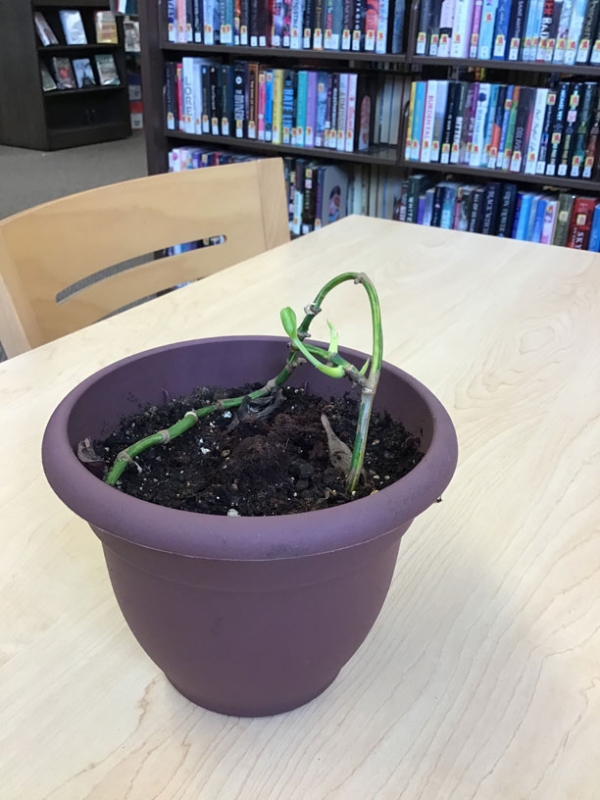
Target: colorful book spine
301	98
516	29
311	110
286	36
269	76
494	149
446	145
331	131
239	98
351	112
261	102
287	116
545	30
524	113
501	26
181	22
592	144
549	222
347	14
486	32
468	124
307	24
371	23
358	28
172	21
535	137
382	26
441	102
562	33
570	130
428	120
489	124
557	129
584	121
563	221
322	79
433	30
594	242
446	28
475	27
575	29
510	133
461	115
581	223
296	25
417	121
546	131
478	141
342	108
244	22
277	105
462	29
411	114
588	32
423	27
398	27
252	100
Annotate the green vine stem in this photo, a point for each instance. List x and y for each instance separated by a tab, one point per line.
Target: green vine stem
327	361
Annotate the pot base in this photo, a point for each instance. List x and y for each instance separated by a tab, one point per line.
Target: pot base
262	711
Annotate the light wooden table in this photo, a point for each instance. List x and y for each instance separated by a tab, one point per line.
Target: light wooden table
481	679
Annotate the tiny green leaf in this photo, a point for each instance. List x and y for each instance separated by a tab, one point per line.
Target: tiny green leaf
365	367
289	322
334	338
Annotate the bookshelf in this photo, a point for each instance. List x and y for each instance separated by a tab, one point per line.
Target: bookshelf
157	50
30	117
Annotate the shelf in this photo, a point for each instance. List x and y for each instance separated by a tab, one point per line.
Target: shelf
385	156
280	52
513	66
63	48
100	4
515	177
86	134
84	90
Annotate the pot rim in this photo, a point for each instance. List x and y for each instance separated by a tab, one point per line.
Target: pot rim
210	536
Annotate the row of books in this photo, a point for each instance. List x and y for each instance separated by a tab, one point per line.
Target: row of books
73	28
303	108
79	73
375	26
501	209
521	129
544	31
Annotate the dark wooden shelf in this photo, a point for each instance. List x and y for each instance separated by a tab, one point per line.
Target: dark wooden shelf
100	4
84	90
76	136
65	48
512	66
280	52
514	177
385	156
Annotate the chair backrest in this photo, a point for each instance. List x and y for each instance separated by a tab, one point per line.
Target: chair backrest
47	249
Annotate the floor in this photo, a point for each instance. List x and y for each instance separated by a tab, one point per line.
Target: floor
31	177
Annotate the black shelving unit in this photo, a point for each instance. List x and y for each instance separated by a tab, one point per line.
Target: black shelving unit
30	117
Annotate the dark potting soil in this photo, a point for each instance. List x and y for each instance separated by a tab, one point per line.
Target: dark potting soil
238	461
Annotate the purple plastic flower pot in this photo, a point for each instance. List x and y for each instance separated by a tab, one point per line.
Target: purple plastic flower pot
257	615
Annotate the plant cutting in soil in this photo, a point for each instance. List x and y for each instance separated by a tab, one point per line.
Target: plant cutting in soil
267	449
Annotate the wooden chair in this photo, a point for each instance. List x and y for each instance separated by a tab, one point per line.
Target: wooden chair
47	249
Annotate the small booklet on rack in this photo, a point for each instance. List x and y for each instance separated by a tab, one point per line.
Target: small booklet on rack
131	28
106	27
48	82
64	73
84	72
73	26
107	70
45	32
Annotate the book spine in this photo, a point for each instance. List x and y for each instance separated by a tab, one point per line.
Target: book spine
595	56
486	33
415	150
252	100
575	29
535	139
475	27
319	10
428	120
551	42
449	122
358	25
461	31
198	21
351	112
253	23
245	23
526	97
308	199
347	16
515	30
581	223
510	135
468	124
409	122
382	26
538	223
181	21
448	204
507	210
331	137
269	105
264	23
262	98
237	21
557	129
590	95
501	26
286	36
342	112
226	21
207	7
446	27
189	21
278	77
296	34
563	219
568	143
592	145
277	23
330	106
197	86
441	101
288	106
562	33
301	98
433	29
205	99
398	27
489	125
423	28
311	109
546	131
336	30
537	27
505	125
588	32
481	107
549	222
494	148
438	204
371	21
545	26
226	100
308	24
171	96
215	100
188	94
171	21
492	196
321	109
528	54
239	98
